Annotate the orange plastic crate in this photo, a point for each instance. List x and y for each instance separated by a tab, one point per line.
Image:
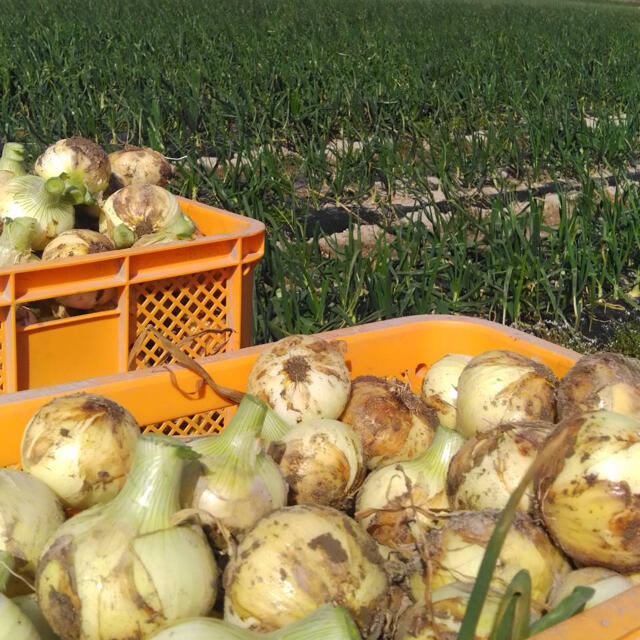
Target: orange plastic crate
181	289
167	400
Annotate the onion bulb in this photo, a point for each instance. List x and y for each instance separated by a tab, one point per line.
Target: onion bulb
5	176
326	622
15	241
395	499
234	481
48	202
141	209
589	492
160	237
123	569
489	466
84	164
449	604
606	584
29	514
12	158
392	422
608	381
457	547
138	165
14	624
302	377
322	462
80	445
440	387
300	557
503	386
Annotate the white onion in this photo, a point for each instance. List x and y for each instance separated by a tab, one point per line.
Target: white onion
81	445
301	377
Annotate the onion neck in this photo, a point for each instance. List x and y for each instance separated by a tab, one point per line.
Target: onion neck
437	457
16	234
328	621
12	159
243	429
151	493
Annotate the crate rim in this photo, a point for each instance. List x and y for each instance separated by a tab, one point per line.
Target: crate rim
336	334
252	227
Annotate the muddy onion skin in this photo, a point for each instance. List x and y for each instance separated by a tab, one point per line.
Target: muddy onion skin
589	492
302	377
80	445
457	547
322	462
608	381
393	423
82	159
440	387
503	386
142	208
298	558
488	467
138	165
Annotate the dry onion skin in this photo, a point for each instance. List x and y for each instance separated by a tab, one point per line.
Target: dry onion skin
606	584
488	467
298	558
29	514
322	462
449	604
302	377
457	547
392	422
138	165
440	387
589	492
504	386
396	499
608	381
80	445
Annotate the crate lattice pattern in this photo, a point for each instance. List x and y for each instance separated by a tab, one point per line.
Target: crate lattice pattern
198	424
179	308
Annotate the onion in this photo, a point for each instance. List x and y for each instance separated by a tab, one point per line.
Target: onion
589	493
237	483
440	387
15	241
80	445
14	624
503	386
123	569
76	242
489	466
607	584
393	499
12	159
326	622
457	547
141	209
138	165
322	462
607	381
302	377
392	422
48	202
298	558
449	604
29	514
5	176
84	164
160	237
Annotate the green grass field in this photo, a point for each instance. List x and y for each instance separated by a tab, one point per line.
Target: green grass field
411	95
